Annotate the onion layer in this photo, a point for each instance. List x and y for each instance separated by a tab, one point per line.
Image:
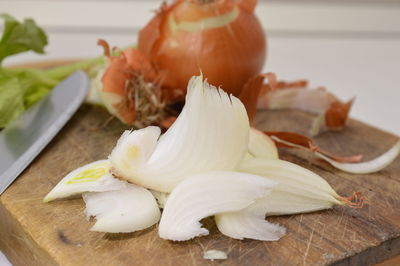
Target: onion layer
261	146
210	134
93	177
127	210
298	191
207	194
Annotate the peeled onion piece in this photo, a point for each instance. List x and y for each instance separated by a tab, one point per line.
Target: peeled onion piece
292	178
93	177
222	38
207	194
210	134
261	146
127	210
298	190
249	223
213	254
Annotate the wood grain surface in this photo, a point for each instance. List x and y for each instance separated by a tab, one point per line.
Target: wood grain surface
37	233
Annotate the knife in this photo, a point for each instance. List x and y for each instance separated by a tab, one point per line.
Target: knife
23	139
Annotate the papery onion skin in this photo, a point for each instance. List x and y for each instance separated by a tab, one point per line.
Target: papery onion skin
222	38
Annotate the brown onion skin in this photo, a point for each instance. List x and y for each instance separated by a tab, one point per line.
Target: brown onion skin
227	56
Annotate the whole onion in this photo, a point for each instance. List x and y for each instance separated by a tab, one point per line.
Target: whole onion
223	39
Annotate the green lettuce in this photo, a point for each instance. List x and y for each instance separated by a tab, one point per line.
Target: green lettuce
20	88
21	37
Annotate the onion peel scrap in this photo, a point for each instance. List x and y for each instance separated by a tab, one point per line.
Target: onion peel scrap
350	164
131	89
332	112
294	140
253	89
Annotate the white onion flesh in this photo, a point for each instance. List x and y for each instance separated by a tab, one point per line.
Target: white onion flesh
250	222
372	166
207	194
94	95
292	178
94	177
161	198
210	134
299	190
213	254
127	210
261	146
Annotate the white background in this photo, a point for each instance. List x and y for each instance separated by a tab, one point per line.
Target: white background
352	47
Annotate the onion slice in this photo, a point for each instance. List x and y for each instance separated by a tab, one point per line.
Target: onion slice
207	194
249	223
292	178
298	191
372	166
93	177
161	198
210	134
127	210
261	146
213	254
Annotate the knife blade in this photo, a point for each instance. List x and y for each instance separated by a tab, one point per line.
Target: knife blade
23	139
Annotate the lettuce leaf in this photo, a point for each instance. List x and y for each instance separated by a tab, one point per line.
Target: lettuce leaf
20	88
21	37
11	99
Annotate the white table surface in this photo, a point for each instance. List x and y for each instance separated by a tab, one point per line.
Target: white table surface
353	49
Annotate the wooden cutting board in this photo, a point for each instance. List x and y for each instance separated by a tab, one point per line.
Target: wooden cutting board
37	233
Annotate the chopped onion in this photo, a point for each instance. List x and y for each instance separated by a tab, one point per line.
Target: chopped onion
261	146
127	210
291	178
93	177
372	166
249	223
210	134
207	194
213	254
161	198
298	190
